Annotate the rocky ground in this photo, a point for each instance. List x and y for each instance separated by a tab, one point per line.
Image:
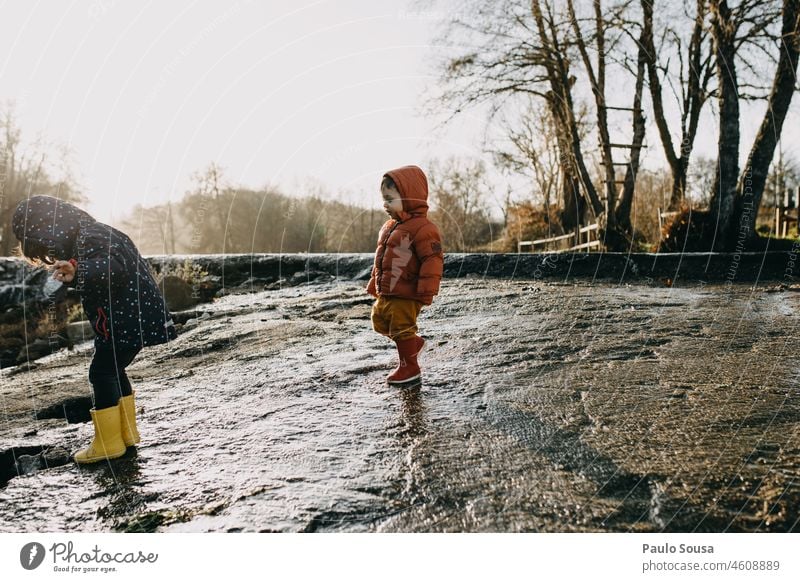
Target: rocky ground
545	406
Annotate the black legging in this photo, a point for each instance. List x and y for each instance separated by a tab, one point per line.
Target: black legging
107	374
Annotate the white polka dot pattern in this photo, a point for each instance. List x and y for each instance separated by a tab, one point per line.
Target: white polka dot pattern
117	289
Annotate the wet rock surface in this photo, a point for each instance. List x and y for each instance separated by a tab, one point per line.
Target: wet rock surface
29	298
544	407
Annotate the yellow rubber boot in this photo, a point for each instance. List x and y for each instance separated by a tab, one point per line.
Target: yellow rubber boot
127	415
107	443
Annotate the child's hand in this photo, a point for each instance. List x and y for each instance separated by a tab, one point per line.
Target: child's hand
64	271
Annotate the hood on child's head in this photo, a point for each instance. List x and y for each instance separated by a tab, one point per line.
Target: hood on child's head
413	187
49	222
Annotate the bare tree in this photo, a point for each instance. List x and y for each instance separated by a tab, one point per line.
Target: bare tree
530	49
266	221
751	184
623	209
700	180
690	83
653	192
522	49
636	66
210	184
603	20
597	80
784	175
152	228
554	44
534	153
747	24
724	27
459	195
28	168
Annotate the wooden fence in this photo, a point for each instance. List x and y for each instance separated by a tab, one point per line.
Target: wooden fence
584	238
786	213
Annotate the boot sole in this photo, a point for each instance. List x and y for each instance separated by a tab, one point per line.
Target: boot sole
98	459
406	381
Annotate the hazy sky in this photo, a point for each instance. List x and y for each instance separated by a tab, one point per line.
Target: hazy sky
279	92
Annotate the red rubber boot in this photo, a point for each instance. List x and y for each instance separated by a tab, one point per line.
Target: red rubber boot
420	344
407	370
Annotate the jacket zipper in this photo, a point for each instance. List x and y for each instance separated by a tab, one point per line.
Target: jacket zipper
383	252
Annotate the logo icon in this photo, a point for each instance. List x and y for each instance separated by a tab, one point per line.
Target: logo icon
31	556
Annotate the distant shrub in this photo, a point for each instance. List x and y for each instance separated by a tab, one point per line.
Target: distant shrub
189	272
688	231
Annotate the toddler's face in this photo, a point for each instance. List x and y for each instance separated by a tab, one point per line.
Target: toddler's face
392	202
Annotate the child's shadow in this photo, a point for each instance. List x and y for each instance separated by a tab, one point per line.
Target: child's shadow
413	416
120	481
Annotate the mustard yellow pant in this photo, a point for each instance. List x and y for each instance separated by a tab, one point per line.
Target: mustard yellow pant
395	317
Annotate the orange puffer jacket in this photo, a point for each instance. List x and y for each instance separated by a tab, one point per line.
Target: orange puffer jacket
409	260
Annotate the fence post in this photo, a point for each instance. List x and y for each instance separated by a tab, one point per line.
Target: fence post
660	225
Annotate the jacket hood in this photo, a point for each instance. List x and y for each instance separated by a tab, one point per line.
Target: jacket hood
50	222
413	187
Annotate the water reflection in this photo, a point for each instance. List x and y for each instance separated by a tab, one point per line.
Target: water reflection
414	444
413	412
121	480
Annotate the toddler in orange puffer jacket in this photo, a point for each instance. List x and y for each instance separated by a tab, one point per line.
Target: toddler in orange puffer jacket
408	267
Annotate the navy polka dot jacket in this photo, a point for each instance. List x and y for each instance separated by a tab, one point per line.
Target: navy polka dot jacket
117	289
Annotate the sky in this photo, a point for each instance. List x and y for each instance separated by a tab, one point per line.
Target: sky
284	93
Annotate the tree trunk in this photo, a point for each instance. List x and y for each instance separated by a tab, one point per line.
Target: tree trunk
754	175
623	211
724	190
656	95
561	104
572	202
597	82
693	98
